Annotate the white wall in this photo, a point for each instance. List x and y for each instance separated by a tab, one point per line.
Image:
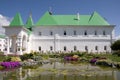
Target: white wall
71	40
2	44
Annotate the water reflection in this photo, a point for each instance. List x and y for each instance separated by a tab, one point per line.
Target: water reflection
61	71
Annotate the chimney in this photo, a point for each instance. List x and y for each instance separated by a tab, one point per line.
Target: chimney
78	16
50	10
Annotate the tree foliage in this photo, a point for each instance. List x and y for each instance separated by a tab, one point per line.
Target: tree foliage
116	45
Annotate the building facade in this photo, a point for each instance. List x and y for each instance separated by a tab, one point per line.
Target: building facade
2	43
91	33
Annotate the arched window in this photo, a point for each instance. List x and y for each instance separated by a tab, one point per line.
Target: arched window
65	33
105	47
75	33
51	33
40	33
85	33
86	48
96	47
104	33
65	48
39	48
51	48
5	49
95	32
75	48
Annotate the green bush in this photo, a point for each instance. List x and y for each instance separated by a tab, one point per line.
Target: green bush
27	56
116	45
116	53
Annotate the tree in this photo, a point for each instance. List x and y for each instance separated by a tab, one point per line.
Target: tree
116	45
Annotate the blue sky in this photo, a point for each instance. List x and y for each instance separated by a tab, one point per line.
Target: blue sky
109	9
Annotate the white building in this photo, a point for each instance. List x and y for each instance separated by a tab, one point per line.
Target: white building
90	33
2	43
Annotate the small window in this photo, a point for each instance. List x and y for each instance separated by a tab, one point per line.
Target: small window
65	48
39	48
85	33
104	33
0	44
86	48
51	33
40	33
51	48
18	49
105	47
95	32
65	33
75	48
96	47
75	33
5	49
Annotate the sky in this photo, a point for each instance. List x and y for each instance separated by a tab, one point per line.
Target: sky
109	9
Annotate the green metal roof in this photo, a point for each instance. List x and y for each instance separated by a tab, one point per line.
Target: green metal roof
17	21
47	19
29	22
94	19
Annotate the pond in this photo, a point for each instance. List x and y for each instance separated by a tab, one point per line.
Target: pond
61	71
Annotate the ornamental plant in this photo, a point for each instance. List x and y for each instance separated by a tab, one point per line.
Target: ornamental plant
93	60
71	58
9	65
15	59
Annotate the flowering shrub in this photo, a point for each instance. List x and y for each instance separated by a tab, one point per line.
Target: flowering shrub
93	60
10	64
71	58
15	59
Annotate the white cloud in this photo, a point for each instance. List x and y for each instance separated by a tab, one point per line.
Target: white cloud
4	21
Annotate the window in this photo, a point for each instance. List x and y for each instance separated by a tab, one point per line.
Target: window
39	48
65	33
75	48
5	49
65	48
51	33
85	33
96	47
51	48
105	47
18	49
40	33
95	32
75	33
104	33
86	48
